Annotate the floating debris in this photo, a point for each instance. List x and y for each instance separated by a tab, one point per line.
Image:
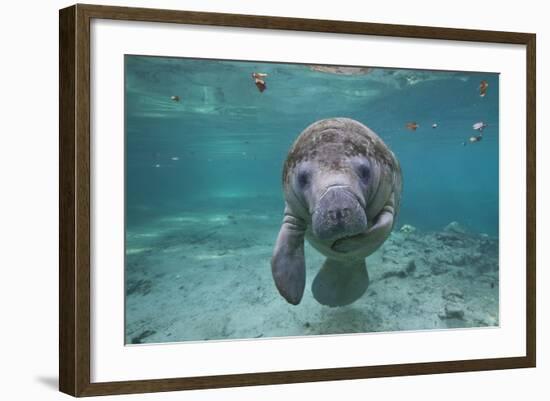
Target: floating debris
479	126
341	70
412	126
473	139
259	80
476	138
175	98
434	125
156	165
483	85
175	158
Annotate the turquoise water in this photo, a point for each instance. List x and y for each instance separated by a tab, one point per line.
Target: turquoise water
203	170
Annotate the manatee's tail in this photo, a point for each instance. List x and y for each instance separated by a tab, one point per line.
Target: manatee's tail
340	283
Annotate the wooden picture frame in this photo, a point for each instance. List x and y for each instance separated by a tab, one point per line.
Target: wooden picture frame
74	199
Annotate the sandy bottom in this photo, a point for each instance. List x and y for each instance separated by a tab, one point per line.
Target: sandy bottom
206	276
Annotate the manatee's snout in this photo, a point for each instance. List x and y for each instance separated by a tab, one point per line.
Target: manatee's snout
338	214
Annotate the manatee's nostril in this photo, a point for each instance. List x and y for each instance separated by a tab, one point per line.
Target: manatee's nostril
339	214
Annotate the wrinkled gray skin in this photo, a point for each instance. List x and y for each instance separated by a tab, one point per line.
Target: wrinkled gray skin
342	188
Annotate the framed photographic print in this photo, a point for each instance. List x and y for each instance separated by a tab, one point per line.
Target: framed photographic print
251	200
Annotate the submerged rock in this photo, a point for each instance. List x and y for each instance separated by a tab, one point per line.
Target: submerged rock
402	271
455	227
452	239
458	260
407	229
142	336
452	310
488	246
452	294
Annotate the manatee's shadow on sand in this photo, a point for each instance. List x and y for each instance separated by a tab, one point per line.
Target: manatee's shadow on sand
349	319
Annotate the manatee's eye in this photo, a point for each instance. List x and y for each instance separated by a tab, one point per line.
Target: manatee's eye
363	171
303	178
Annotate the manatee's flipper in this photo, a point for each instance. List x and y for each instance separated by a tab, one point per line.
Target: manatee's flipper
372	239
288	262
340	283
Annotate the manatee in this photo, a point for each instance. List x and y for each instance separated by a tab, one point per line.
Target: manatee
342	190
